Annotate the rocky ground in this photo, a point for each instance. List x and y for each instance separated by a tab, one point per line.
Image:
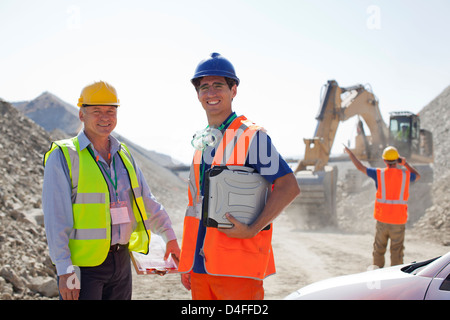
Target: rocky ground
435	224
26	271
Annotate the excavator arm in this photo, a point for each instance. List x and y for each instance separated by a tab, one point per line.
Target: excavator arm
365	105
332	111
316	205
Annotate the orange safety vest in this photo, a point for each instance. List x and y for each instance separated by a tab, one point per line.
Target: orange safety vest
391	203
225	256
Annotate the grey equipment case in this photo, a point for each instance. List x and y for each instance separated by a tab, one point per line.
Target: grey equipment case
236	190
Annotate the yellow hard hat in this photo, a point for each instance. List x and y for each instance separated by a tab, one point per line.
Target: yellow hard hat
99	93
390	154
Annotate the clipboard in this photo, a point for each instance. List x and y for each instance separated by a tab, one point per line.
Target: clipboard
153	262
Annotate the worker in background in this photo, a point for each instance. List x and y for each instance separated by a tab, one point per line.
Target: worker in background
403	133
220	263
97	205
391	203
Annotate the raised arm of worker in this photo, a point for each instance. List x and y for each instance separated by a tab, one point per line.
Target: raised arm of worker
409	167
355	161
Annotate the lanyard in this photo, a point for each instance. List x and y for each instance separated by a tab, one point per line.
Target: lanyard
225	124
221	127
114	183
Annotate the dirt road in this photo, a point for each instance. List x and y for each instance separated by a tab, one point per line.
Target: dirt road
301	257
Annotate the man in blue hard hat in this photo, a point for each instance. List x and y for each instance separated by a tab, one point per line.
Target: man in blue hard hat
220	72
219	263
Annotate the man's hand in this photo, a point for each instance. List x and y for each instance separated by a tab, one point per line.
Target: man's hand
69	286
172	248
239	229
355	160
186	280
346	149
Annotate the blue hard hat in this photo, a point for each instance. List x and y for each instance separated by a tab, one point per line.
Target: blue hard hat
215	65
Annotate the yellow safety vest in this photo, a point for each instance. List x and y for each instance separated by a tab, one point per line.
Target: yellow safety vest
90	239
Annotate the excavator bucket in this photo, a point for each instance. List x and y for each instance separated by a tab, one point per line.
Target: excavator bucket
315	207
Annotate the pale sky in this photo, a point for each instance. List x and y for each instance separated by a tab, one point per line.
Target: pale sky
283	52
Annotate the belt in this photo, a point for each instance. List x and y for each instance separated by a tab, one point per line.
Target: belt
116	247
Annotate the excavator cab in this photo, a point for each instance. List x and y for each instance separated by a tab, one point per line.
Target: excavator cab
410	140
404	130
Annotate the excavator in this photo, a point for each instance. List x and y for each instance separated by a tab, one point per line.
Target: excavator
316	205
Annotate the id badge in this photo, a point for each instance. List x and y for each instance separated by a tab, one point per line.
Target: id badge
119	213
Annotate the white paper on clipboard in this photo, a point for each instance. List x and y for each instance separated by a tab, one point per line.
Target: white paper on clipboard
153	262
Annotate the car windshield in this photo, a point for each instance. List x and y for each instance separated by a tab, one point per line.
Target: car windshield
415	267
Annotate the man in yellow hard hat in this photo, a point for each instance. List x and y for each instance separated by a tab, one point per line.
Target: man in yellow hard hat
391	203
97	205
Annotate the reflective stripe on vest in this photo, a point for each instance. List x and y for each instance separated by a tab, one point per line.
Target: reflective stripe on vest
90	239
391	202
248	258
400	199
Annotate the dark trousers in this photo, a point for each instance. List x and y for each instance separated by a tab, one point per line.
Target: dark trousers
112	280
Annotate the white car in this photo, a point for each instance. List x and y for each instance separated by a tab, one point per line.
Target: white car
427	280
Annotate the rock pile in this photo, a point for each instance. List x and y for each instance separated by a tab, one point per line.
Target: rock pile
435	224
436	118
26	271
